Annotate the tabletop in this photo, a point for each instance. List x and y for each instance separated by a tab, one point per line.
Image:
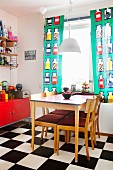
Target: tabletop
74	100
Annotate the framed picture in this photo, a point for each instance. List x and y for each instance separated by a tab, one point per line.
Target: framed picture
30	55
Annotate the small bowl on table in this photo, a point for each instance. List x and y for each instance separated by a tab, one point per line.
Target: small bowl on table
67	95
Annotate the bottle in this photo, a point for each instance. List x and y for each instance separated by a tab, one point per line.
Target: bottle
101	82
109	64
99	31
2	63
107	13
49	21
5	32
3	95
109	47
55	64
98	15
108	81
48	49
47	78
47	64
56	34
6	97
49	36
1	28
107	30
46	90
54	78
99	48
100	65
102	95
57	20
10	33
55	49
54	89
110	97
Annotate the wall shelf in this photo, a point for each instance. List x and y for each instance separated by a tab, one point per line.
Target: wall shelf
13	57
8	54
6	39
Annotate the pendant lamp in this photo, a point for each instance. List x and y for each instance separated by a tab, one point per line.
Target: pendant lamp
69	44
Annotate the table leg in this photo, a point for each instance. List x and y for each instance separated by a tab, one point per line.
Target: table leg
33	123
76	132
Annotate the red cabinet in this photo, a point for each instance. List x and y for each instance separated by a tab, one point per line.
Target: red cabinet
14	110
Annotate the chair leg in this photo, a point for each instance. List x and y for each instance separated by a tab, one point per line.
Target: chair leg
98	128
46	131
95	131
42	132
92	136
65	136
33	136
55	139
86	143
58	137
68	136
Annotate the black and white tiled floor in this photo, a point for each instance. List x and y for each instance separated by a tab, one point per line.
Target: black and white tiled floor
16	153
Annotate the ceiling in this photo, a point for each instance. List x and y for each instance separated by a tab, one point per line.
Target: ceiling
27	7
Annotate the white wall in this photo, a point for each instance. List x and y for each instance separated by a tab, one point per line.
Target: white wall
30	31
6	73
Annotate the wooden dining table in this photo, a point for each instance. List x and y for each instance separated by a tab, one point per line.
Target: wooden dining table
75	103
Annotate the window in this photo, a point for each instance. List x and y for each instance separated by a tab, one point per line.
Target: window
76	66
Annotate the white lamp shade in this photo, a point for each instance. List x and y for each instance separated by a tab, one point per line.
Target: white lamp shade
69	45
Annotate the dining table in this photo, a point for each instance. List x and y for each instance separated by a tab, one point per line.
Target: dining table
75	103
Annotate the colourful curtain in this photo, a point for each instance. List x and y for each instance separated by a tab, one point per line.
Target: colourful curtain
52	68
102	51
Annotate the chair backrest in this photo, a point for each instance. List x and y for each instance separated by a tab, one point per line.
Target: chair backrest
50	93
90	109
43	94
47	95
99	100
88	103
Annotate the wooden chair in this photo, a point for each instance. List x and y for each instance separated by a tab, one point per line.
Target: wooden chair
56	111
68	123
96	116
43	94
49	120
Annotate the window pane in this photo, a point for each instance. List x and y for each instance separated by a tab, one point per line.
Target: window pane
75	66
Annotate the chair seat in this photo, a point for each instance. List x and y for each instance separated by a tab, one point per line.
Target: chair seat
82	114
50	118
61	112
70	121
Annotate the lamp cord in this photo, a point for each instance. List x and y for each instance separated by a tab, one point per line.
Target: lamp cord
70	10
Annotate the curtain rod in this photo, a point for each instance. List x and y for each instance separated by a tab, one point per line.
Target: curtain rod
78	18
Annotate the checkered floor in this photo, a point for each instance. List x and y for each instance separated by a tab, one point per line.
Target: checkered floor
16	153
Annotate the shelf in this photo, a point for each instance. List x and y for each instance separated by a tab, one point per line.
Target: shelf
6	39
4	65
8	54
8	66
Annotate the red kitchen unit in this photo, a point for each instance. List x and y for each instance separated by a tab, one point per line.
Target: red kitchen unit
14	110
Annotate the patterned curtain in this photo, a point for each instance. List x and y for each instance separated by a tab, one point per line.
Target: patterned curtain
102	51
52	68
